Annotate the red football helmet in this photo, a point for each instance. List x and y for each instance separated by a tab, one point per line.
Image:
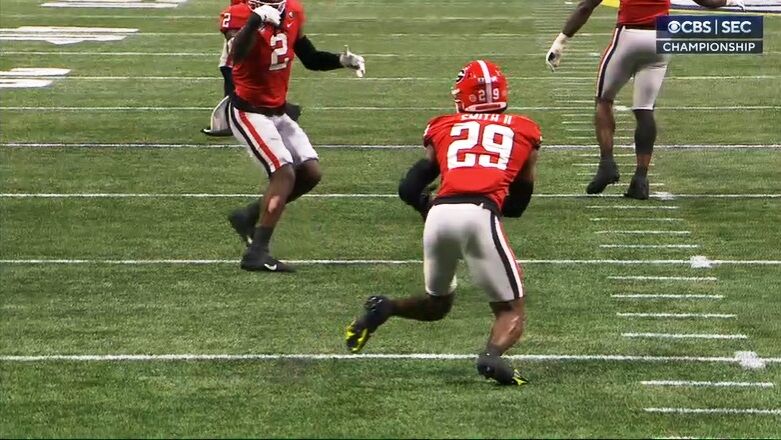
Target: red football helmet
481	87
279	4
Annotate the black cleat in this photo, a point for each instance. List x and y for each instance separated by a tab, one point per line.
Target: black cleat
254	261
638	188
243	225
498	369
607	173
216	133
378	310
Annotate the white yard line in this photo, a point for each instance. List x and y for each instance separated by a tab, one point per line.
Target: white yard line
574	80
617	262
677	315
714	411
643	219
622	138
596	156
384	196
694	383
665	296
362	108
649	246
318	19
660	278
379	147
594	164
358	357
592	174
645	232
654	207
683	336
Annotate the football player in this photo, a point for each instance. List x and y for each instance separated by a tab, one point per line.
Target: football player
264	37
487	161
219	125
632	52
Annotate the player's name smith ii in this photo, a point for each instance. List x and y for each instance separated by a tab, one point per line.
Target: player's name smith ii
492	117
706	47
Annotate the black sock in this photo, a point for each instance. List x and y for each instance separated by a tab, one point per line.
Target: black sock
492	350
262	237
253	210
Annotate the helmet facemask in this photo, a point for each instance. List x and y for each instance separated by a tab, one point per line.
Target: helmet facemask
278	4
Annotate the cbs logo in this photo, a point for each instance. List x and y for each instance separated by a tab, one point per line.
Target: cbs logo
688	27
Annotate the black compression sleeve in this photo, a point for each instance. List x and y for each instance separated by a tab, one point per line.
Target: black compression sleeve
413	185
314	59
518	198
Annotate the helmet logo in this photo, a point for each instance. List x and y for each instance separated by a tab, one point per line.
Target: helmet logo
461	76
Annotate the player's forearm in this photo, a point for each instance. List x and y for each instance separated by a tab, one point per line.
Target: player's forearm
518	198
314	59
413	185
244	40
579	17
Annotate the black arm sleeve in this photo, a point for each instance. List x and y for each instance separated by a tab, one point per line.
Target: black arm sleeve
413	185
518	198
314	59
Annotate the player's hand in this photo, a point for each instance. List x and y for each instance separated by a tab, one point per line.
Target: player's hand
268	14
737	3
353	61
553	58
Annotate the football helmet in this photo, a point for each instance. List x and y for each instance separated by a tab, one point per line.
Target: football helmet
481	87
278	4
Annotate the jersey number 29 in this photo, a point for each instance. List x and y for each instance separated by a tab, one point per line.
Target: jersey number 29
494	138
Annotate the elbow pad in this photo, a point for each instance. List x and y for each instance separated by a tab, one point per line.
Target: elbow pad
518	199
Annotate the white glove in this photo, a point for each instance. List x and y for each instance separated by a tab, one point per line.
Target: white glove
736	3
557	48
268	14
353	61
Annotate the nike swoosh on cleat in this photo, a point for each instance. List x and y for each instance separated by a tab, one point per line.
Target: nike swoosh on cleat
270	267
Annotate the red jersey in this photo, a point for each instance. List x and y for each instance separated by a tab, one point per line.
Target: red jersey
262	78
481	153
642	12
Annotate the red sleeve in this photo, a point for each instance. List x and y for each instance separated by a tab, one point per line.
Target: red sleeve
295	9
234	18
431	129
531	131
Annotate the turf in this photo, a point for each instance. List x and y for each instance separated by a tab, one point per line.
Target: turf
214	308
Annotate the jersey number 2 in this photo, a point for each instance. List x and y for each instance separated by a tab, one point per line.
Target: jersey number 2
279	58
494	138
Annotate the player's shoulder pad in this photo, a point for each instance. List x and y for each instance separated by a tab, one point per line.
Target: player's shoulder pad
440	119
237	16
433	125
294	6
239	10
529	128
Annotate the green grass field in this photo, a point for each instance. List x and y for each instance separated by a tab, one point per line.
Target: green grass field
111	247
